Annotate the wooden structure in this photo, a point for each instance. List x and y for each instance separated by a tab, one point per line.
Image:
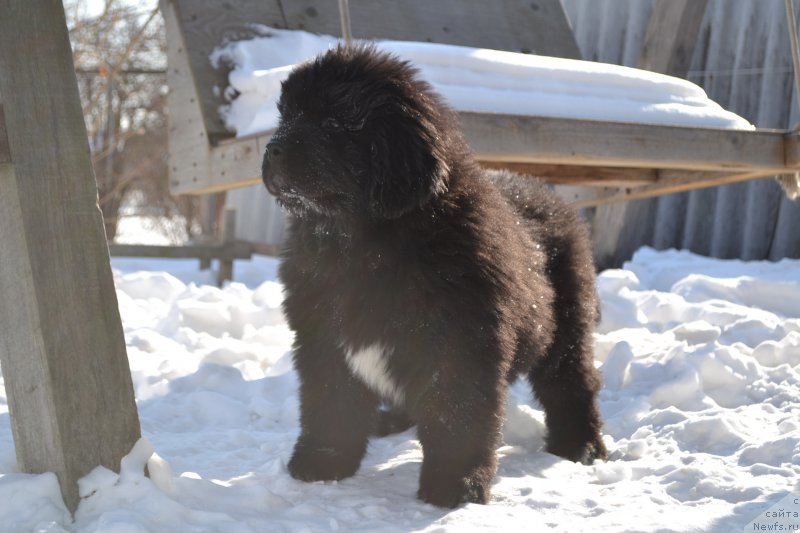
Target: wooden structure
743	61
224	251
593	162
61	342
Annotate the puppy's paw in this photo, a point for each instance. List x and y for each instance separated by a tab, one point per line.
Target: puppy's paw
451	493
594	450
447	485
584	453
322	464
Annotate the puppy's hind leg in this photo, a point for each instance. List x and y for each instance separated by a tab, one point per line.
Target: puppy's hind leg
337	414
567	384
568	395
565	379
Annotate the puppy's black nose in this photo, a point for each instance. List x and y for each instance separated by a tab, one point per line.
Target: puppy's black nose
274	150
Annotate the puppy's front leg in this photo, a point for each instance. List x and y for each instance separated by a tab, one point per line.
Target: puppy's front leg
459	430
336	415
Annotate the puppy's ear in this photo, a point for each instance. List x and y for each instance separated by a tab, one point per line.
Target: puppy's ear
407	165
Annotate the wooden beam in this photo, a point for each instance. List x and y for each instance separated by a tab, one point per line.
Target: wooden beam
61	342
792	149
622	153
234	250
669	182
560	141
583	175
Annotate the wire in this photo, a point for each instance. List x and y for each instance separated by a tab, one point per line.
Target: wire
344	15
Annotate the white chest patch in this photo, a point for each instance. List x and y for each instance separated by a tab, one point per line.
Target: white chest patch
369	364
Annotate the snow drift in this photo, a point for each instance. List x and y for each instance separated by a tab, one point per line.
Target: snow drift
701	360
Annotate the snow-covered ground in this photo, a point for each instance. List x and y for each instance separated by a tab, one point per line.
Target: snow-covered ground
472	79
701	360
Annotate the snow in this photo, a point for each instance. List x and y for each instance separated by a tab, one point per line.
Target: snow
472	79
701	360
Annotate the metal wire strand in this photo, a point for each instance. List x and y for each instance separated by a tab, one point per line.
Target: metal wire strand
344	16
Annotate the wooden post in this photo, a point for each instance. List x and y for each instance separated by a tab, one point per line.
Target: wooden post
225	272
61	342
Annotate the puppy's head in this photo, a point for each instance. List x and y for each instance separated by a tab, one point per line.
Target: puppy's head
359	135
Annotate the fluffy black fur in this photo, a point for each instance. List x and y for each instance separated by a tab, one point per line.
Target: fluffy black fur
413	278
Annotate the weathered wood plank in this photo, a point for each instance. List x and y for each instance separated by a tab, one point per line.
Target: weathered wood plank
225	272
670	182
619	151
671	36
5	156
615	144
234	250
61	341
582	175
188	141
206	24
520	26
792	149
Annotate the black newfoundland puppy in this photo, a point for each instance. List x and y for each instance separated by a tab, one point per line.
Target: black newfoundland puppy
415	280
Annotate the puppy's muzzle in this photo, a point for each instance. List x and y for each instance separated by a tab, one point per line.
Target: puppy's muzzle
273	160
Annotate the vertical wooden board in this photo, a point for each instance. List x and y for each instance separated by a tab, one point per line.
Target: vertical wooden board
584	19
786	243
635	33
617	228
775	102
207	24
188	140
760	210
727	234
669	218
699	221
749	45
746	214
538	26
615	238
729	221
23	357
772	109
671	36
5	156
612	31
66	342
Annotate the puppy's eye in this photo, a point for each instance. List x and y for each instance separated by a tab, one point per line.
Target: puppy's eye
331	124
